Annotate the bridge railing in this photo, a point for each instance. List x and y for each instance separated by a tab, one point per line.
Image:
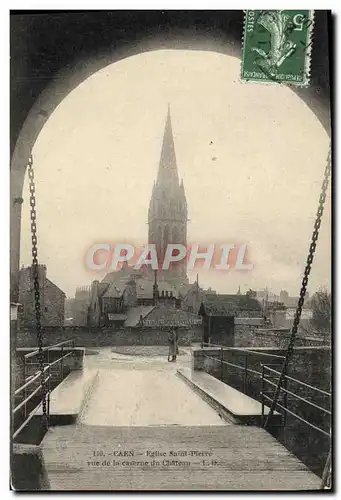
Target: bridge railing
270	377
32	388
244	368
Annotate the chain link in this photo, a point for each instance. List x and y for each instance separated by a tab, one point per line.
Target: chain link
327	473
304	285
36	285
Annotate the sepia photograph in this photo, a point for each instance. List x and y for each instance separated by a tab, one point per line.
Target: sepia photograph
171	250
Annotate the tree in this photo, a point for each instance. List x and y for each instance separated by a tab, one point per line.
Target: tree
320	322
321	304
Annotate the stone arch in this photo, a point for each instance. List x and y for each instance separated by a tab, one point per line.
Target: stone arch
220	37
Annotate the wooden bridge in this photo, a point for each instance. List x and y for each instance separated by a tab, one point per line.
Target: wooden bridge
228	457
149	425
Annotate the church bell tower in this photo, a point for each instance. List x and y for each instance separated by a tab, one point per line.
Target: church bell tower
167	216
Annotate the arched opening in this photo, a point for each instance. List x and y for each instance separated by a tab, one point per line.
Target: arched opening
43	109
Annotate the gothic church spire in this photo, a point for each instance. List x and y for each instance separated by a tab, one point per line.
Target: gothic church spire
168	170
167	215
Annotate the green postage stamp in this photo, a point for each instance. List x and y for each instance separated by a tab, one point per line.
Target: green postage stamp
277	46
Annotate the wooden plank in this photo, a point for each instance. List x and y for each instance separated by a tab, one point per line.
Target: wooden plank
238	458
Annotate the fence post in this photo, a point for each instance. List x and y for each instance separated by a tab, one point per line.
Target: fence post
285	401
262	395
25	393
245	373
48	394
62	365
326	476
222	364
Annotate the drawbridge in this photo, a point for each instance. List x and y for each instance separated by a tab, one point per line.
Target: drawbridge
134	423
154	431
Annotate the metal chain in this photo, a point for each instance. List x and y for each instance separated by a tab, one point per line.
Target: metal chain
327	473
36	285
304	285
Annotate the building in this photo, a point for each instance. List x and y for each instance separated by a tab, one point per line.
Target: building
265	296
123	290
279	310
231	305
77	307
167	214
291	302
126	288
221	312
52	299
68	312
128	293
126	300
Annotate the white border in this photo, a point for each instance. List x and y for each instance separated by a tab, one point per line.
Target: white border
4	184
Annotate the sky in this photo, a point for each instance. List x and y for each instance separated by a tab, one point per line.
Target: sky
251	157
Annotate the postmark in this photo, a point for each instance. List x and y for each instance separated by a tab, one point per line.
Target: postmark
277	46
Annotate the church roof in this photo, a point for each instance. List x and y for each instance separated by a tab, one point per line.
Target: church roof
228	304
134	315
184	289
102	287
166	315
115	289
114	284
144	287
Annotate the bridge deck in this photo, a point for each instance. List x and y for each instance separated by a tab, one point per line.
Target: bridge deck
140	406
242	458
146	397
235	405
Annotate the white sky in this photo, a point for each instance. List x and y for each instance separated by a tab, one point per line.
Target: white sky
97	157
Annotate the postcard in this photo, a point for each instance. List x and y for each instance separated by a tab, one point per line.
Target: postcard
170	250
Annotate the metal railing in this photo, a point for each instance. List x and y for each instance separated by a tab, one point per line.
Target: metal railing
267	372
244	366
269	376
43	378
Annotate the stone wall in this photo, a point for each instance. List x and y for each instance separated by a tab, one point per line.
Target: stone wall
249	336
73	362
52	301
33	431
101	337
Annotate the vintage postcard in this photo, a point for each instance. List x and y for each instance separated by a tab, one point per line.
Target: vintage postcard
170	251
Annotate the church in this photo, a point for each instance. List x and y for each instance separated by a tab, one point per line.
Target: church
128	289
128	298
167	215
